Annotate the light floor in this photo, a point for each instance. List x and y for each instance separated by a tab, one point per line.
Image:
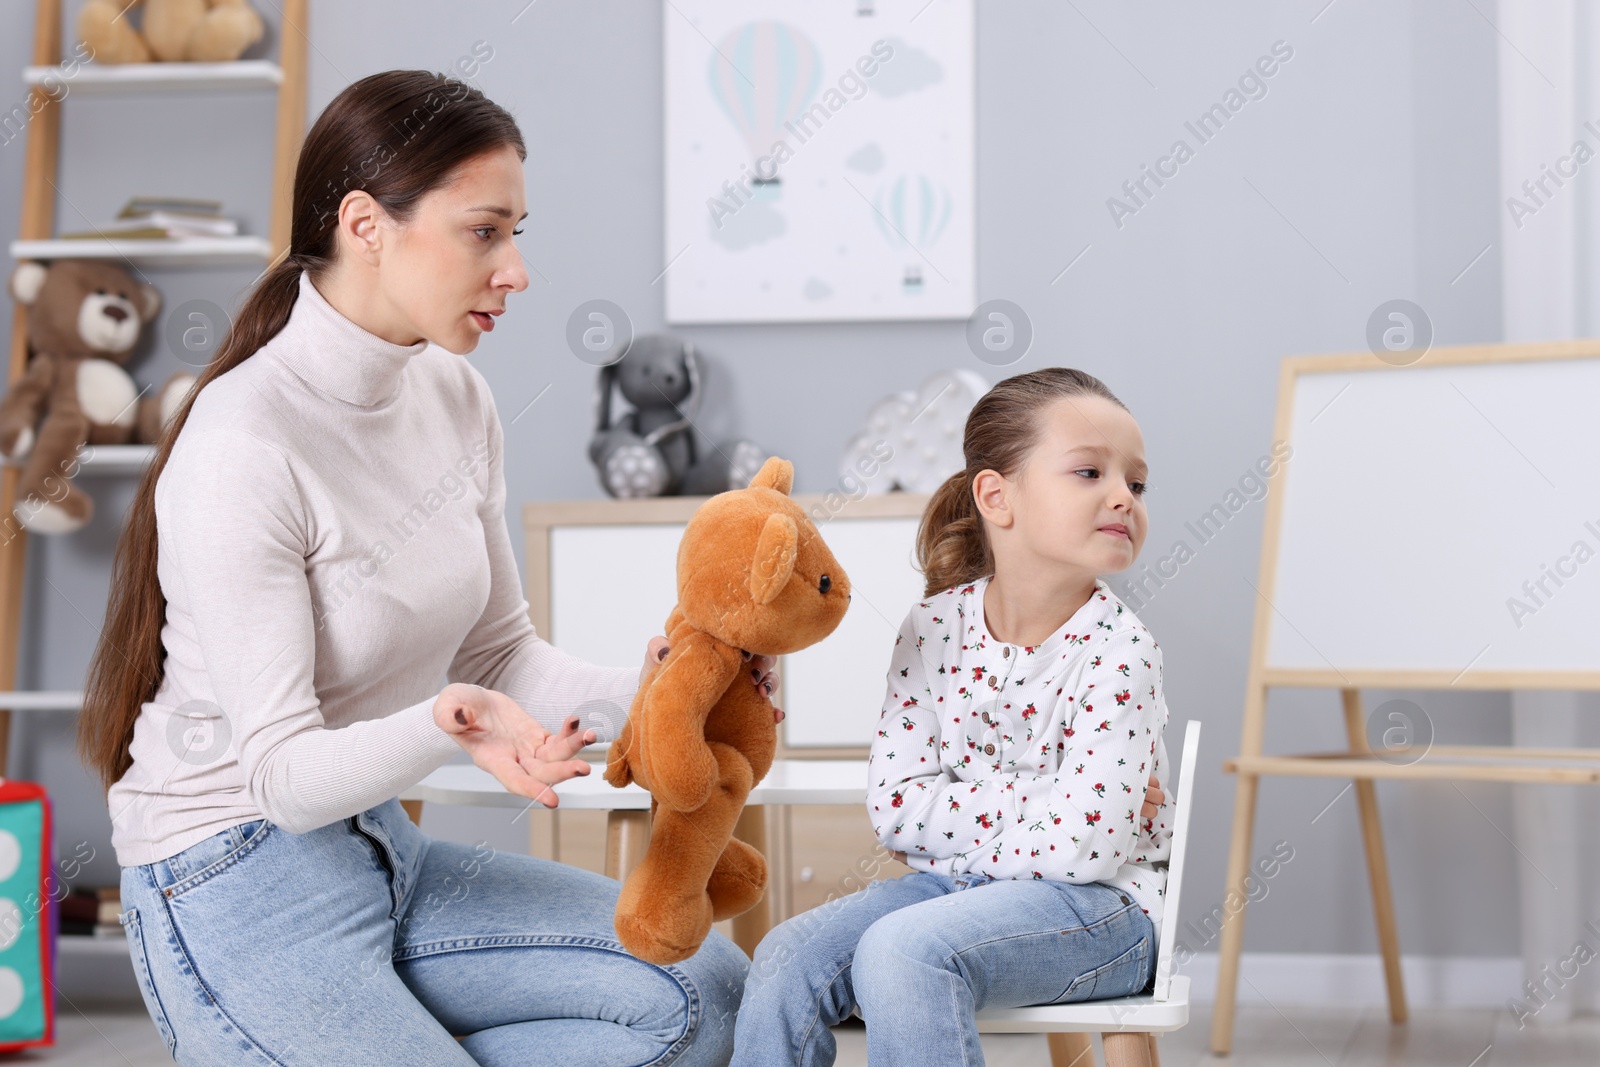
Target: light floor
120	1035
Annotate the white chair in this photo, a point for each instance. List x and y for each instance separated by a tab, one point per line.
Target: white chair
1127	1025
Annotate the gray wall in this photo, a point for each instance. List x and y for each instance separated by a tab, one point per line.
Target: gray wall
1368	172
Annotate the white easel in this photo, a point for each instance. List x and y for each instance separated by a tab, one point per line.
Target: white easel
1416	503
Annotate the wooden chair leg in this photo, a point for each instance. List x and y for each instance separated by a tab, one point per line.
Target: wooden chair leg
1071	1050
627	834
1377	861
413	809
1125	1049
752	926
1155	1054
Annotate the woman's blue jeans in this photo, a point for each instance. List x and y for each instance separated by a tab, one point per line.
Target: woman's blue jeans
368	942
920	953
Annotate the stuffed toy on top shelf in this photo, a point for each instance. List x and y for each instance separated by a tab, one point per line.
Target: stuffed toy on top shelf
754	577
196	31
84	317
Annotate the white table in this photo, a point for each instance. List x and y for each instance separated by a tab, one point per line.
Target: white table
790	781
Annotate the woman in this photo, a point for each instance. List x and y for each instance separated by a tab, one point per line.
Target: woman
318	544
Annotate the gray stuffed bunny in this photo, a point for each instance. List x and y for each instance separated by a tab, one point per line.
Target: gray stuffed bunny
651	450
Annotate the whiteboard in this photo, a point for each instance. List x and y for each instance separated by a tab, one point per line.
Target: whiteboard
1418	501
612	587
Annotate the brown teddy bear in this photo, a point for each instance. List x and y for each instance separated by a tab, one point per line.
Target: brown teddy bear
84	317
753	576
202	31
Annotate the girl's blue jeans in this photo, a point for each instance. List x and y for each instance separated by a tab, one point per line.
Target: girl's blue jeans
920	953
368	942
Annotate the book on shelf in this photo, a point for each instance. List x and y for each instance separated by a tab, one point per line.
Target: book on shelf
139	205
103	931
85	908
145	217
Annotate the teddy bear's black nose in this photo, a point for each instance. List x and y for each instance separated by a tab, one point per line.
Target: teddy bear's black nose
825	583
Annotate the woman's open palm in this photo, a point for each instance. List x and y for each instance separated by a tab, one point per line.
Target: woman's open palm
510	744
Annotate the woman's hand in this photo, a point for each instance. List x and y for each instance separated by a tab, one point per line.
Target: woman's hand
762	674
509	743
1153	799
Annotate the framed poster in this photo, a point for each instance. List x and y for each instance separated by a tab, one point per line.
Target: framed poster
819	160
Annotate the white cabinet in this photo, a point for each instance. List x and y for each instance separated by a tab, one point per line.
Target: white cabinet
602	578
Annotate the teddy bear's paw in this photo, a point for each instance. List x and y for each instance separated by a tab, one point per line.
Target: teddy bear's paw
47	517
227	31
618	773
21	446
662	936
112	38
173	394
738	882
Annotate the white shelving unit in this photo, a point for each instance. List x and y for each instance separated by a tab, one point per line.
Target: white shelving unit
91	945
107	459
49	85
94	78
42	699
156	252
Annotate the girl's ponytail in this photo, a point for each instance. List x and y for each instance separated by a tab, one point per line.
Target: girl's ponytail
951	547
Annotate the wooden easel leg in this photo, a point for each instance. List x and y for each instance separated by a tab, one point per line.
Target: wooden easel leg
1124	1049
413	809
1232	942
752	926
627	834
1377	861
1071	1050
1252	733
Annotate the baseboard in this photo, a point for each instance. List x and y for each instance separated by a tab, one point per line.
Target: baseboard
1306	979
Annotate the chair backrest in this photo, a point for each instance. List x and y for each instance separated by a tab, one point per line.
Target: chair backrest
1180	846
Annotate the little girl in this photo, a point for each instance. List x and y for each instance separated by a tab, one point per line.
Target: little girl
1024	713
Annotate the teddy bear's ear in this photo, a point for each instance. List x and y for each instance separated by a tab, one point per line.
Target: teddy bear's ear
149	300
26	282
775	553
776	474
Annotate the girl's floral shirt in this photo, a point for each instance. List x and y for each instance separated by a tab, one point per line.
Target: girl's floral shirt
1024	761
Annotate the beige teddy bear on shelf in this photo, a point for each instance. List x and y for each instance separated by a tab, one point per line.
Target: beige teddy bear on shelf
201	31
83	319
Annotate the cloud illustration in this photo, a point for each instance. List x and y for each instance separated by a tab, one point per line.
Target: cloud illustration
909	70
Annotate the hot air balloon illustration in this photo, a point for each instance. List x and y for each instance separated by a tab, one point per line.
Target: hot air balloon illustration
912	213
764	74
912	208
